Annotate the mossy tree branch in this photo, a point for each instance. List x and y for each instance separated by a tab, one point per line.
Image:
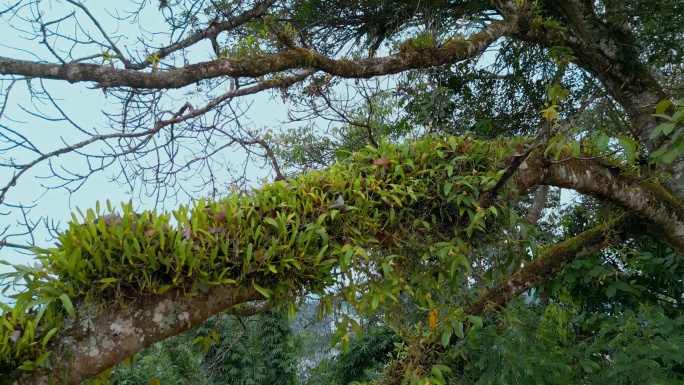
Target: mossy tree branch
285	239
549	263
452	51
662	211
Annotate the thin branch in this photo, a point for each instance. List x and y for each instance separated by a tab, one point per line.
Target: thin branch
214	29
24	168
279	82
92	18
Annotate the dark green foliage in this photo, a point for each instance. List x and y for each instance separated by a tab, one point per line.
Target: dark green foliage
363	361
257	350
174	362
660	24
274	340
537	345
369	24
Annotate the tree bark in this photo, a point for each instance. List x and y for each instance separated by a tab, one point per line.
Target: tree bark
298	58
662	211
608	52
99	338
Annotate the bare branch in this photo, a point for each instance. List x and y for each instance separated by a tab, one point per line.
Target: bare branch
25	167
214	29
278	82
112	45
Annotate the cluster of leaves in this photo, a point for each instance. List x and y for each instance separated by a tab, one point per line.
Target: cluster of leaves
34	318
670	133
560	344
279	240
667	139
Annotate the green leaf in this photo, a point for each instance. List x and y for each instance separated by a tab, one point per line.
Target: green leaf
163	289
375	302
68	306
459	330
662	106
341	331
657	130
668	128
27	365
602	142
477	321
663	116
42	358
670	155
610	291
446	337
574	148
248	254
453	144
435	370
291	311
559	148
629	145
356	327
450	170
448	185
624	286
678	115
271	222
263	291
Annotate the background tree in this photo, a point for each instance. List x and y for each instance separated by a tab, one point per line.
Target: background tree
442	232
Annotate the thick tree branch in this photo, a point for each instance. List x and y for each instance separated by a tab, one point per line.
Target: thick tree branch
548	264
95	341
647	199
300	58
610	53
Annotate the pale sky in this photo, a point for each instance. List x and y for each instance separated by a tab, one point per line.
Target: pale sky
84	106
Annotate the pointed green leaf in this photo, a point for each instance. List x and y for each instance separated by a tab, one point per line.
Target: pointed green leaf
263	291
68	306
